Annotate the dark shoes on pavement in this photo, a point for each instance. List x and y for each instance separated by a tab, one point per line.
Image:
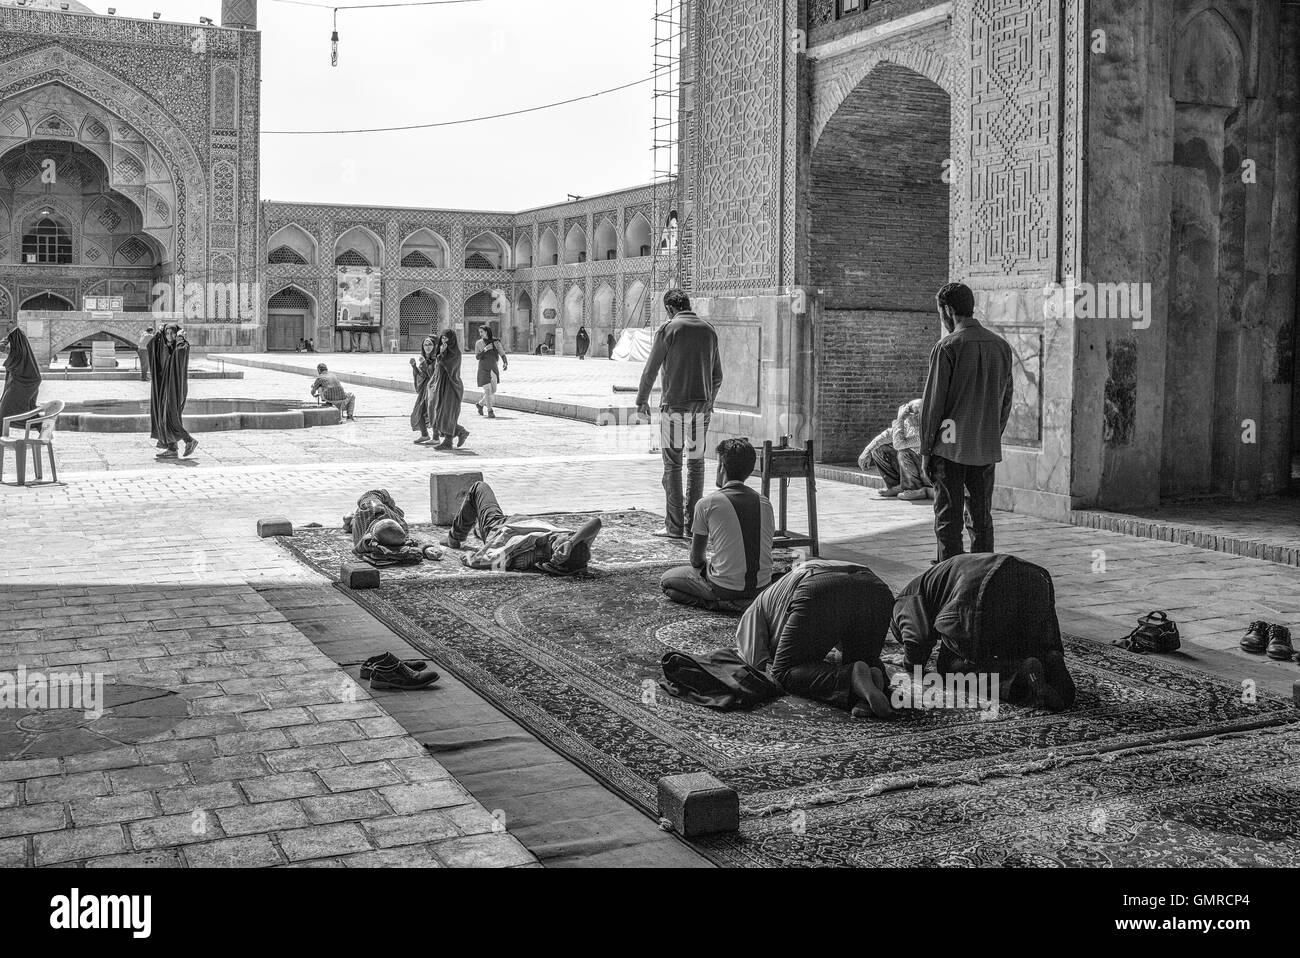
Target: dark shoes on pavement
387	671
1272	640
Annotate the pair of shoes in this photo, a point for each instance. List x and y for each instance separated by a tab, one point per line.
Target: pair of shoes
445	444
492	414
1273	640
387	671
889	492
913	494
190	446
461	435
422	440
167	454
352	418
666	533
479	407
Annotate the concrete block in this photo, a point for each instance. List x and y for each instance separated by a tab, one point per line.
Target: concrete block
698	804
446	489
274	526
354	574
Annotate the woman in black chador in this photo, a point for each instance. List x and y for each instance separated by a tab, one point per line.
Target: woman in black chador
22	376
583	342
447	392
170	353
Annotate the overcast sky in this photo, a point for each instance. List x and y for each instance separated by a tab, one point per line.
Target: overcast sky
426	64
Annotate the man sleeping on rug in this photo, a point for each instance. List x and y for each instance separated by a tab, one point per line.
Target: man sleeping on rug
988	613
731	547
518	543
822	605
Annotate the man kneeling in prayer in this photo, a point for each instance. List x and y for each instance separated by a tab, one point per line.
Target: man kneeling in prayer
731	548
819	606
989	614
518	543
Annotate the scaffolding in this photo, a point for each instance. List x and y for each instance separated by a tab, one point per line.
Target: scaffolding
666	52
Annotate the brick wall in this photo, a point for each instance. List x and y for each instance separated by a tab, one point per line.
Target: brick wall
869	362
879	252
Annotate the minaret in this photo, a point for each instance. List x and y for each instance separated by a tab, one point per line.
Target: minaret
241	14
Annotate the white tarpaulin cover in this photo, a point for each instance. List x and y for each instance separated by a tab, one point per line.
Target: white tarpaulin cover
633	345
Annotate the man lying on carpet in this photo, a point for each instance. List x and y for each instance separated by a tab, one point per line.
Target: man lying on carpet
988	613
518	543
731	548
822	605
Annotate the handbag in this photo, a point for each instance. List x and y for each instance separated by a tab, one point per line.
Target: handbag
1155	632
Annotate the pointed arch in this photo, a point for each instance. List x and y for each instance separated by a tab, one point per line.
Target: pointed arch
637	236
548	248
606	239
487	250
575	244
292	244
358	246
524	251
421	312
290	316
425	248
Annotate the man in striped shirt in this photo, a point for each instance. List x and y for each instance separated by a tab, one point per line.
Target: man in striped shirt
731	548
328	388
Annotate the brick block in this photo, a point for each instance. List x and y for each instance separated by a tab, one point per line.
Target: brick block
274	526
445	492
358	575
698	804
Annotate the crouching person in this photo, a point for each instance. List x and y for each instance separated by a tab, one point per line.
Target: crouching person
988	613
819	606
731	547
327	388
518	543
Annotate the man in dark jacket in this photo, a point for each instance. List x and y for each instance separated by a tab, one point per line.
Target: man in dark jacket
987	613
686	349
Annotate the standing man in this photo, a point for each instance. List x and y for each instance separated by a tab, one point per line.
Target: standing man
609	341
328	388
142	348
964	409
686	348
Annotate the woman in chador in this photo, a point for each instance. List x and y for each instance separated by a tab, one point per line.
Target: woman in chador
22	376
422	370
447	392
583	342
170	352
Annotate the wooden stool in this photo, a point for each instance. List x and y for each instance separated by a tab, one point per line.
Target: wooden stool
784	463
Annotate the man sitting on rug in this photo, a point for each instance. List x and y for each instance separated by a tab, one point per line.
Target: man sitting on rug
822	605
518	543
988	613
731	549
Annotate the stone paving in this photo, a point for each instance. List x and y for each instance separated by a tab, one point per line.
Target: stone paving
152	574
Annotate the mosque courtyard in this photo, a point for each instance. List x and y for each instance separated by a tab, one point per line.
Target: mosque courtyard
246	738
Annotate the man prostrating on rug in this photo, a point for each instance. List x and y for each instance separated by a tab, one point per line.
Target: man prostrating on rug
988	613
819	606
518	543
731	548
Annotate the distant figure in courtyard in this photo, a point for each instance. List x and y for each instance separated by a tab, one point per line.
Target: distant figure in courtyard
328	389
311	345
820	606
990	614
169	354
610	342
22	377
686	349
422	371
583	342
894	453
731	549
447	392
491	361
964	410
142	350
518	543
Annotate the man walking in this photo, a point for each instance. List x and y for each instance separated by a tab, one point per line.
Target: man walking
142	348
964	410
328	388
686	349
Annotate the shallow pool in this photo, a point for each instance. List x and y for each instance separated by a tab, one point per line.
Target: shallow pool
201	415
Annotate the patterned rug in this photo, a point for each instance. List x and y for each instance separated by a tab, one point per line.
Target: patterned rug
576	660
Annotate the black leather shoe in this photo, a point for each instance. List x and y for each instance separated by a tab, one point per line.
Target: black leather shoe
1256	637
1279	643
392	673
387	659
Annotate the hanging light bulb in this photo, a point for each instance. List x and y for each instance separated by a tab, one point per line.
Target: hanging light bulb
334	42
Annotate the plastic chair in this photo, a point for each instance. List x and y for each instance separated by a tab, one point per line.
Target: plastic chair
43	419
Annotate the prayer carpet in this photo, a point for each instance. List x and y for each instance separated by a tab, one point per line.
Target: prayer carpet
1120	779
